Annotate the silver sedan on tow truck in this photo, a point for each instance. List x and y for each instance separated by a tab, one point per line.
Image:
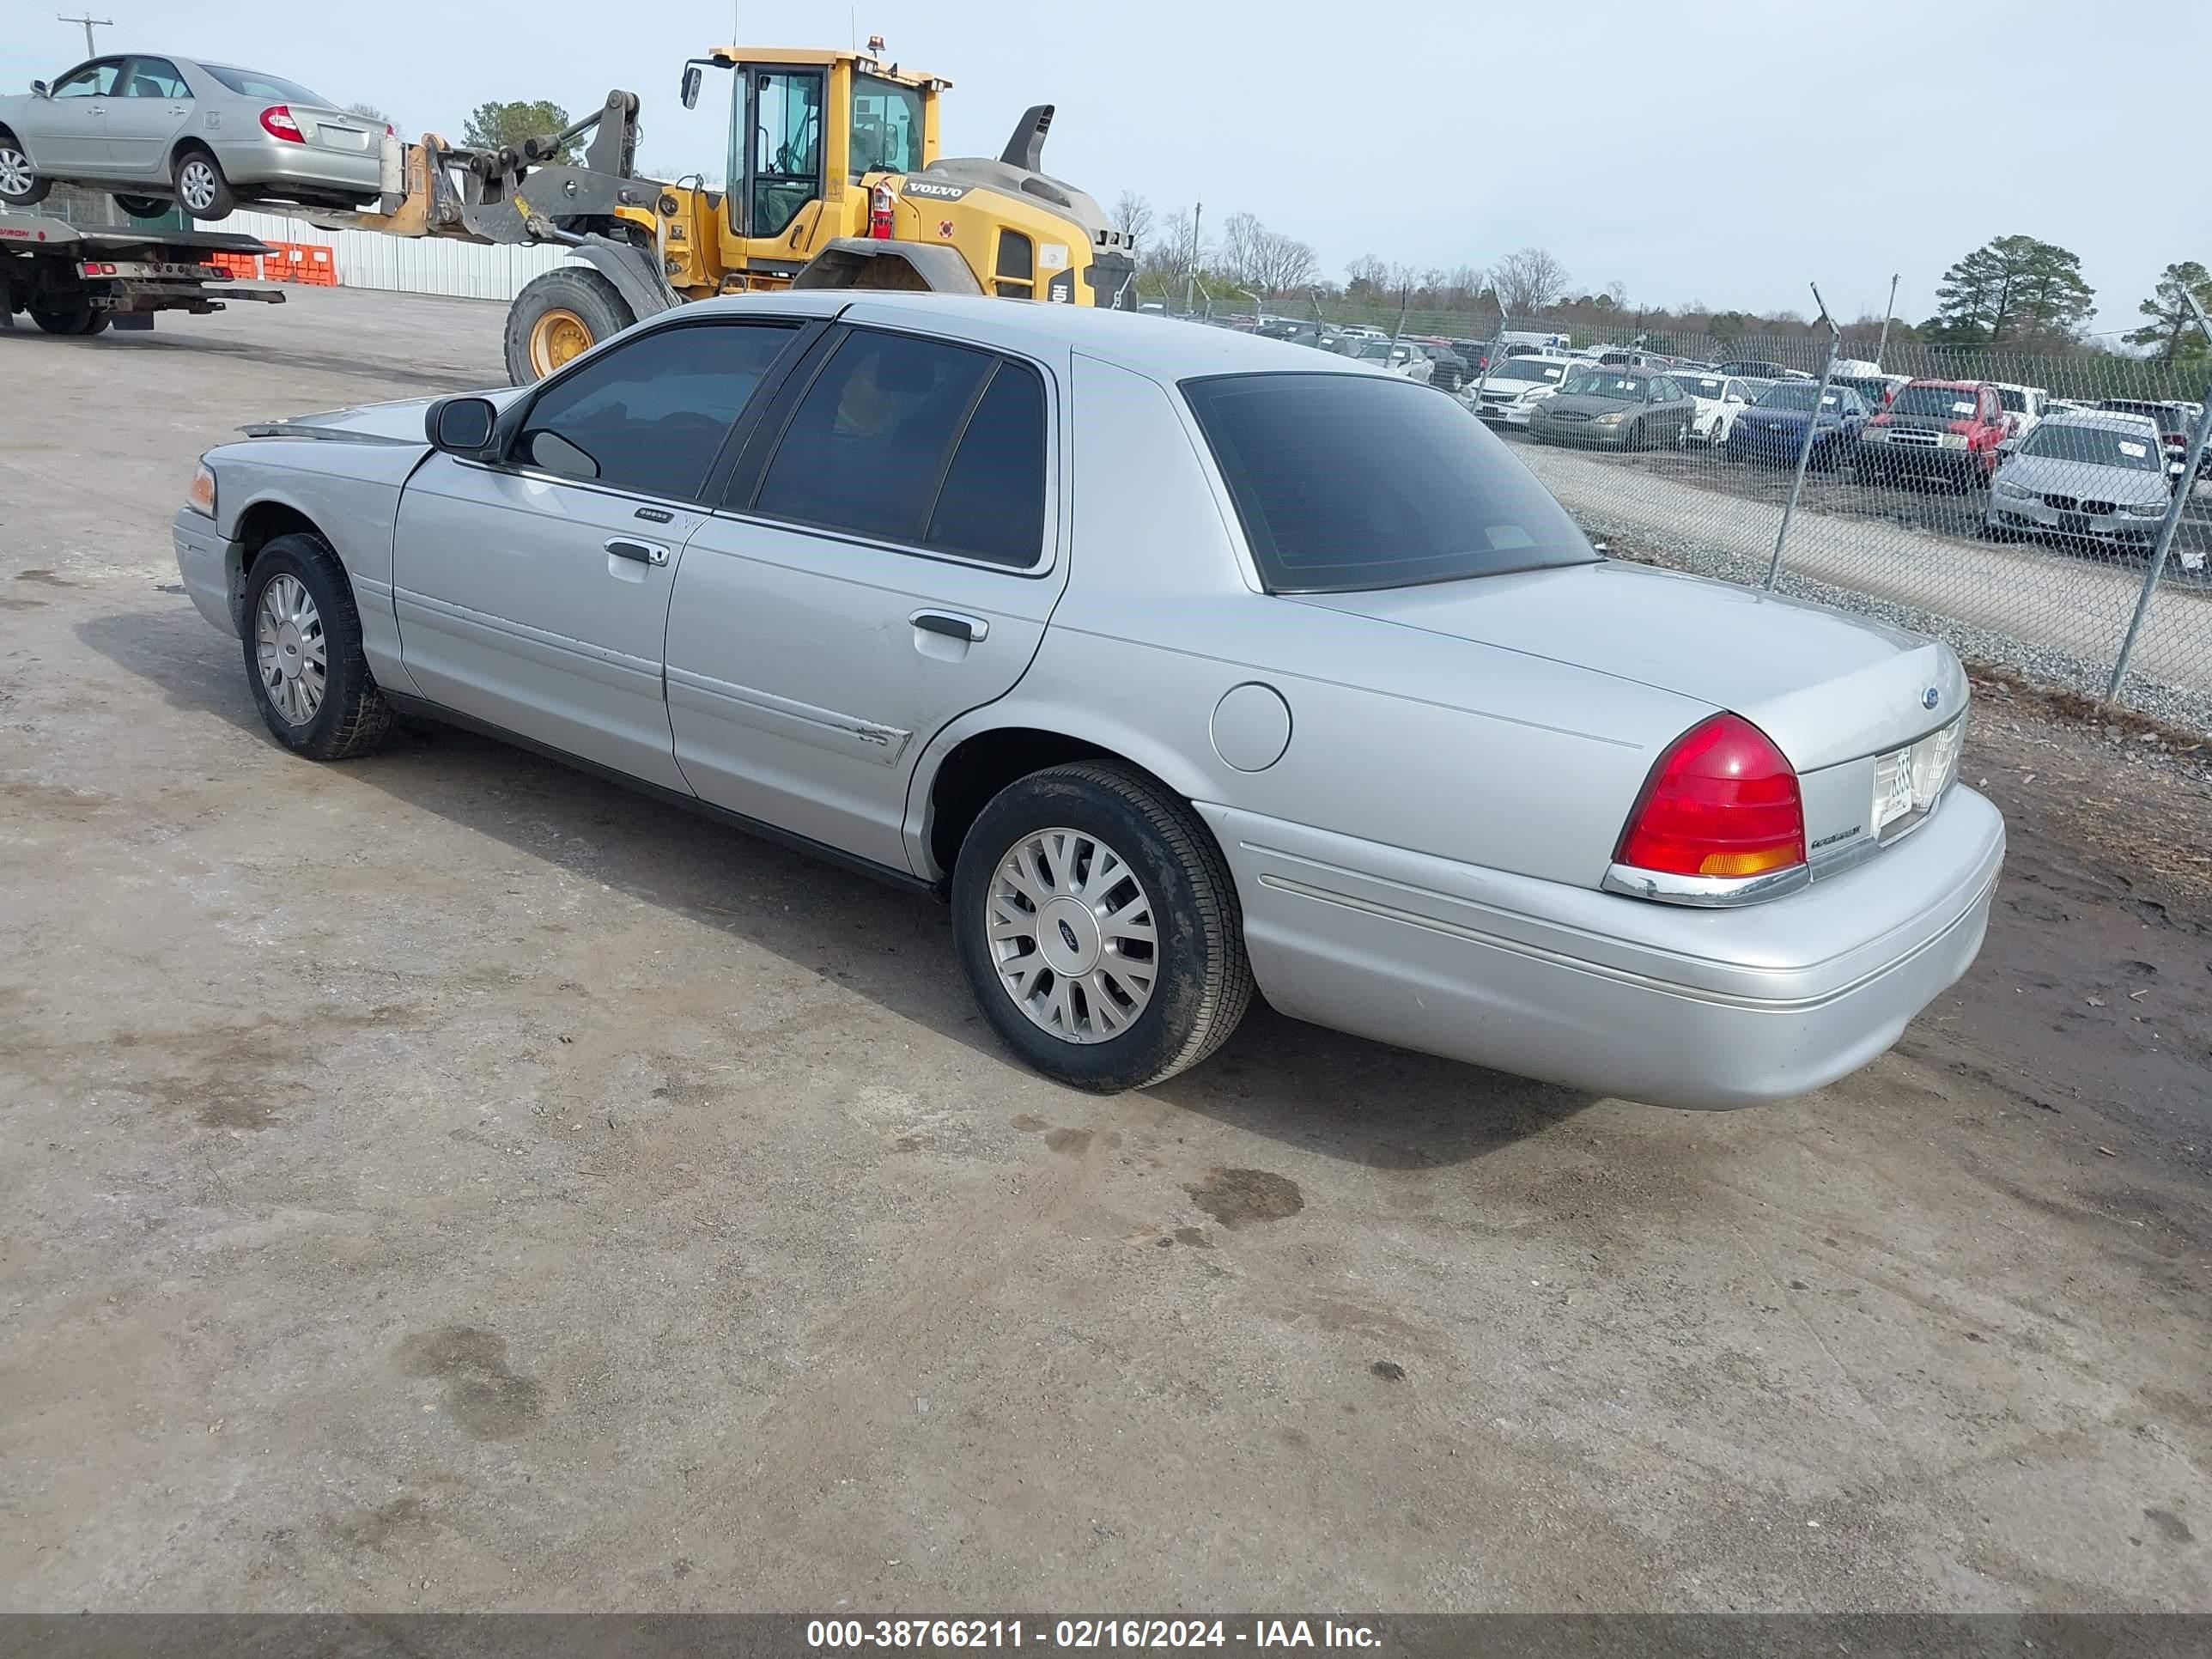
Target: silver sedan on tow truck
1182	662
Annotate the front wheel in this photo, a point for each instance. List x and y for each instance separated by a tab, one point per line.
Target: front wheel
559	316
202	189
19	187
303	652
1099	927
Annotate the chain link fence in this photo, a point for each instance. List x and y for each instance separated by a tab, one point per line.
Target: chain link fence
2008	503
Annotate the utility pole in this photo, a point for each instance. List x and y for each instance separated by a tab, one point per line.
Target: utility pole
1190	276
1882	345
90	23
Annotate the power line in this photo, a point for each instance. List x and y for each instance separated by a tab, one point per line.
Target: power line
90	23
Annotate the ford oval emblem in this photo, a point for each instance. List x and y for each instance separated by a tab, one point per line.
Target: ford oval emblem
1931	697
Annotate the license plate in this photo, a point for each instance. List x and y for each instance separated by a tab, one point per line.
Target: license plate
1907	781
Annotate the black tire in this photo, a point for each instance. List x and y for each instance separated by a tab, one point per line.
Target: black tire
202	190
1203	980
567	291
14	162
144	207
1635	435
352	718
77	318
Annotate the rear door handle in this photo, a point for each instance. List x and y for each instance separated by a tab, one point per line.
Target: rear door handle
952	624
643	552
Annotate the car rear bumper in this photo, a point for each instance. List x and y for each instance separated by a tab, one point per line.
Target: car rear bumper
205	560
1709	1009
276	165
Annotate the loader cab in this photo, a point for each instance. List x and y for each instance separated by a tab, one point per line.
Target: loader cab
806	128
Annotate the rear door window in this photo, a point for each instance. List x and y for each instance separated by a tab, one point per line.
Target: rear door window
992	503
1346	482
154	77
650	414
867	448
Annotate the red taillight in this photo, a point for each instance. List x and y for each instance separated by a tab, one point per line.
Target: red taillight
277	121
1723	801
96	268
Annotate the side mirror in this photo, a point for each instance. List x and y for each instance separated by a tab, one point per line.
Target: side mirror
2008	446
462	426
42	89
691	94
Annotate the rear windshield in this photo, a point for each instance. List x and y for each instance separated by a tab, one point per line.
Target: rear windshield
1798	395
2101	446
249	83
1702	386
1344	483
2014	401
1949	401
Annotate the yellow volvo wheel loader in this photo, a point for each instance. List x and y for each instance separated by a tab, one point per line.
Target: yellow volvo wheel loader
834	181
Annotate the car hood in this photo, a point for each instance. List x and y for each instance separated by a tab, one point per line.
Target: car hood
400	422
2048	475
1824	686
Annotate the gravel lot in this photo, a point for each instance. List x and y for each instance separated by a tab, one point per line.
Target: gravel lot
446	1181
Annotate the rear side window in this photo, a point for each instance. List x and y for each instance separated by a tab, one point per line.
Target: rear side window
1346	481
992	504
650	414
866	449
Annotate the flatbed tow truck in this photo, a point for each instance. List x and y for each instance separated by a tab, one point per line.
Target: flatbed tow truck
76	281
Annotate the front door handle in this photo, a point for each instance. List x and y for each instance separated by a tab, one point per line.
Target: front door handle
952	625
643	552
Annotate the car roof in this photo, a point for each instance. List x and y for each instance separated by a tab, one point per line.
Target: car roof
2118	419
1951	386
1120	338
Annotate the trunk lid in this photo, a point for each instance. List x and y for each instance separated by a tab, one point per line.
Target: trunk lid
337	130
1826	687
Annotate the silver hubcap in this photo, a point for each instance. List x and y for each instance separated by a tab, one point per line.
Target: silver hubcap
1072	935
14	171
288	634
197	184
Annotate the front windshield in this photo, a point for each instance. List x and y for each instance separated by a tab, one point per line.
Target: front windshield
1798	395
2099	446
1622	388
1376	350
1530	368
1703	386
2014	401
886	127
1952	401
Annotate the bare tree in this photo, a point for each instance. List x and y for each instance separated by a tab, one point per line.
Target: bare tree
1178	251
1527	281
1134	213
1367	272
1239	255
368	113
1281	263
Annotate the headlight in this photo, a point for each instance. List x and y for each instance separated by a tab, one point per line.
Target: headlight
2146	510
1613	419
201	496
2005	488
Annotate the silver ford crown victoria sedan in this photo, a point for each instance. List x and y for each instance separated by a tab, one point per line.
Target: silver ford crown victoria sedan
1182	662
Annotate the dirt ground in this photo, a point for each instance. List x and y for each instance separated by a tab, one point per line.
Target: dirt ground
446	1181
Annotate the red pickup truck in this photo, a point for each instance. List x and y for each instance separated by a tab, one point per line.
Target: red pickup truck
1944	431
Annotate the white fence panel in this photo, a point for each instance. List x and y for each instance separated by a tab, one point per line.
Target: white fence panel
407	264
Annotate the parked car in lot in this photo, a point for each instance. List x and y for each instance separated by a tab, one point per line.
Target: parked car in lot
2175	422
1450	370
1398	357
1934	431
1773	427
2101	476
1718	400
2024	406
152	130
1510	391
1614	408
1181	663
1758	368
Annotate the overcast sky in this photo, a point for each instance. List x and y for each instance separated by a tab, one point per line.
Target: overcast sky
1724	151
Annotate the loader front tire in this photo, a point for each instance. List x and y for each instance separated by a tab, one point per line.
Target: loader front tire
558	317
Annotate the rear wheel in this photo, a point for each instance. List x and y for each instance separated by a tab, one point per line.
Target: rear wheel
77	318
303	652
558	317
1099	927
19	185
202	189
143	206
